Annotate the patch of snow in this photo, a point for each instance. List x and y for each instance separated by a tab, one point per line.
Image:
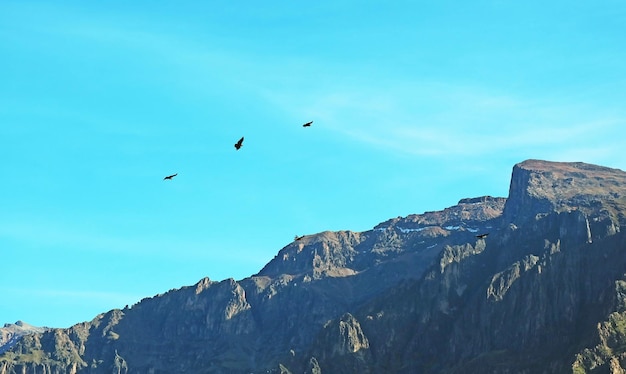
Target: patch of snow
411	230
472	230
450	228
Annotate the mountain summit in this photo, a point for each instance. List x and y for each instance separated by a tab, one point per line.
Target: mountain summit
12	332
532	283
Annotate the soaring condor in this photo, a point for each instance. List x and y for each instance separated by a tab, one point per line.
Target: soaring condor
239	143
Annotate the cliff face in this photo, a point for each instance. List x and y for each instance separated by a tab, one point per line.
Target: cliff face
541	187
11	333
544	292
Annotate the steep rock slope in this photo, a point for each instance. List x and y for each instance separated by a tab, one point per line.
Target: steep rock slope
542	293
11	333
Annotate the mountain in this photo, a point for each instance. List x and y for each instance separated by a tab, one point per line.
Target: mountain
11	333
543	292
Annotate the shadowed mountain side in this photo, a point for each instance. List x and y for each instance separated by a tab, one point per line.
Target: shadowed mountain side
543	293
530	316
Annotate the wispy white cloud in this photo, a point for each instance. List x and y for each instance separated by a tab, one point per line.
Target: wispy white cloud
457	121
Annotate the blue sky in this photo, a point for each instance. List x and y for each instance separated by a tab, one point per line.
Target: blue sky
415	105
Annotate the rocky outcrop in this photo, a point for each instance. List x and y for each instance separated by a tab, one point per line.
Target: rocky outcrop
11	333
343	347
317	256
541	187
542	292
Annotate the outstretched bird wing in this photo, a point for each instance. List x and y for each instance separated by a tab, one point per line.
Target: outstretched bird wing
239	143
170	176
308	124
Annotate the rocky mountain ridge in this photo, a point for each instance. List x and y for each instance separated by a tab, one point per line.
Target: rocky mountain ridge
11	333
542	293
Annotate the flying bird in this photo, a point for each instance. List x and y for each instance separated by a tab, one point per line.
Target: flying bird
170	177
298	237
482	236
239	143
308	124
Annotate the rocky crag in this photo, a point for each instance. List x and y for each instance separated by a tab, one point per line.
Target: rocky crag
544	292
11	333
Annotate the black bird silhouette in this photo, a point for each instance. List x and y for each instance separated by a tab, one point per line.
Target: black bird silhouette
239	143
308	124
170	176
482	236
298	237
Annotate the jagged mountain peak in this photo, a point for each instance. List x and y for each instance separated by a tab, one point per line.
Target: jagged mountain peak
344	253
203	284
316	255
10	333
542	293
537	188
